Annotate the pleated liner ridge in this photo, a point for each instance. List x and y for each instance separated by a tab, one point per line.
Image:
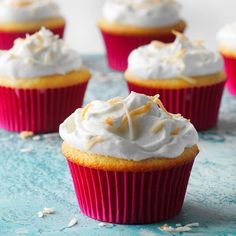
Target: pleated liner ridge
7	38
130	197
230	68
200	105
118	47
38	110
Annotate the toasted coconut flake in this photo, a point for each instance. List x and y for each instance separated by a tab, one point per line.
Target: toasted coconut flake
40	214
157	127
93	141
188	79
178	229
26	150
175	131
109	121
85	110
48	211
26	134
160	104
73	222
180	35
158	44
114	101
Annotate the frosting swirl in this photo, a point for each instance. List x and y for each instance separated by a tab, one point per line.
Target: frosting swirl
133	128
180	58
28	10
143	13
40	54
227	36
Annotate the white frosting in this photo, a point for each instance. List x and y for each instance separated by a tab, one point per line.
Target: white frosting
40	54
145	135
143	13
180	58
227	36
28	10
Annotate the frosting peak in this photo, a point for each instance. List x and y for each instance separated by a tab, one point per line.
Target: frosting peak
181	58
40	54
28	10
135	128
227	37
143	13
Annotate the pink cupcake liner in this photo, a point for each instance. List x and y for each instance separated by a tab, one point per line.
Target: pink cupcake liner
38	110
130	197
200	105
7	38
118	47
230	69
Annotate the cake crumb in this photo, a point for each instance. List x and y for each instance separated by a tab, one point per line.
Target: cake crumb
26	134
72	222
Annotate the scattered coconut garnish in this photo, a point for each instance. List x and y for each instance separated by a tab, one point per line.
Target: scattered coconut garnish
107	225
72	222
46	211
157	127
40	214
144	232
25	150
36	138
179	228
188	79
192	225
93	141
26	134
175	131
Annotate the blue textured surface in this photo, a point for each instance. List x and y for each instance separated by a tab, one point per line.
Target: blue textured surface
40	178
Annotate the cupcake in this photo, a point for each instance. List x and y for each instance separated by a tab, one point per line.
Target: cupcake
128	24
129	158
41	82
227	46
21	17
188	76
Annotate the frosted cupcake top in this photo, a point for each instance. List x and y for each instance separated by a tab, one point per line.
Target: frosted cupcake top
40	54
180	58
28	10
134	128
142	13
227	37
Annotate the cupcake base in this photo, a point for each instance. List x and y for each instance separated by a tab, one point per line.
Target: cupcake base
130	197
7	38
200	105
38	110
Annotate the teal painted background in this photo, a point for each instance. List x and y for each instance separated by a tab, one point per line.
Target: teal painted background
40	178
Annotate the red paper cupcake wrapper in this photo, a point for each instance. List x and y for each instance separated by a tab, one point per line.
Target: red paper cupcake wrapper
200	105
118	47
230	69
38	110
130	197
7	38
